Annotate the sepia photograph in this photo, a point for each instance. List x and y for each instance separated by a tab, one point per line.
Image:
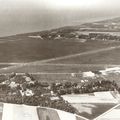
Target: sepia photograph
59	59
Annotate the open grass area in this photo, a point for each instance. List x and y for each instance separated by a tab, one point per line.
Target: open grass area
105	57
110	115
55	68
62	72
90	105
25	49
4	66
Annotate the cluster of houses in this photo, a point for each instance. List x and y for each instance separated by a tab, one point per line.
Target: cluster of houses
75	34
11	82
103	36
23	89
53	88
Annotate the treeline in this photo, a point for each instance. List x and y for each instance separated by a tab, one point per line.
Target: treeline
89	87
41	97
47	94
75	33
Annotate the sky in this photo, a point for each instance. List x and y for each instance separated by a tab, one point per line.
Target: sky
21	16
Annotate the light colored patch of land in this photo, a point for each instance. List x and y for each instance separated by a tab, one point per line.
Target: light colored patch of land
50	114
21	112
84	99
25	112
66	116
92	105
111	114
84	107
56	68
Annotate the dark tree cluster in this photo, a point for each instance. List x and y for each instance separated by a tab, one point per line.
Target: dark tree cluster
42	93
77	88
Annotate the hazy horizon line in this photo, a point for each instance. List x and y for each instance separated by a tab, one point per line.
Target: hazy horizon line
72	25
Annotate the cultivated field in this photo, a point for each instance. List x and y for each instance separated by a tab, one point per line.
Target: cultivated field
93	110
112	114
4	66
63	72
92	105
19	112
44	113
88	98
25	112
110	33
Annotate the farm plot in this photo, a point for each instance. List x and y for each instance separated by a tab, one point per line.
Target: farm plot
93	110
92	105
25	112
97	97
55	114
112	114
46	114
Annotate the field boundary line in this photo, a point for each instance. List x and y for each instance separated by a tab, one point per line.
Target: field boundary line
106	112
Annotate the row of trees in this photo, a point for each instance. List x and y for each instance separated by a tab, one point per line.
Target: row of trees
36	100
90	87
42	92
